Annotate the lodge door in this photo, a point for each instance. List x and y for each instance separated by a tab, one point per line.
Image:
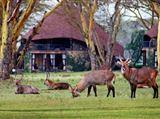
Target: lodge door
58	61
48	64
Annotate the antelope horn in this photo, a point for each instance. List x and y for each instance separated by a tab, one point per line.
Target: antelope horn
127	59
71	88
47	75
120	60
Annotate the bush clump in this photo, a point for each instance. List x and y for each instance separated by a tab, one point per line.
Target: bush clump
78	61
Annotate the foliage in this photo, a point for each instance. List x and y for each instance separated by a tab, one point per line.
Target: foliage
12	25
53	104
150	59
78	61
136	45
26	63
38	13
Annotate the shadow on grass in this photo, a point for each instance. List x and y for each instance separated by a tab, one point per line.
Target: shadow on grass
81	109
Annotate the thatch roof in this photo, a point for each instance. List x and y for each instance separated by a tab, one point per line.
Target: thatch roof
64	24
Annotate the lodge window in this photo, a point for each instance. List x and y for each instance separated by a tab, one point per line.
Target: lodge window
53	44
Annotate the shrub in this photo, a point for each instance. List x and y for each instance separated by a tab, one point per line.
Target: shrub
78	61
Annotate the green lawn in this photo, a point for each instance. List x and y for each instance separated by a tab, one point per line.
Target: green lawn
60	104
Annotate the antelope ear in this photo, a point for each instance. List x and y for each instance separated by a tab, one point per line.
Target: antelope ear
76	88
119	62
75	94
78	93
128	61
17	82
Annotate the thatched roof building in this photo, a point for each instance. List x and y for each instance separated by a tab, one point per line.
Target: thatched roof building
150	46
153	32
63	27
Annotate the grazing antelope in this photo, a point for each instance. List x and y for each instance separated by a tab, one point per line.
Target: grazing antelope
55	85
25	89
139	78
99	77
103	67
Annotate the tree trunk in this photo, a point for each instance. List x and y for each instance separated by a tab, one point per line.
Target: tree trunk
1	68
5	71
6	62
114	24
87	33
5	43
109	53
156	9
158	45
92	59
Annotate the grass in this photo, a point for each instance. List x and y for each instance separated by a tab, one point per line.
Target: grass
54	104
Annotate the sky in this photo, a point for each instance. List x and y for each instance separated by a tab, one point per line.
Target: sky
127	15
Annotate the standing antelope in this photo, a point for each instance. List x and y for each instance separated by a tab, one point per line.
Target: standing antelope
99	77
142	77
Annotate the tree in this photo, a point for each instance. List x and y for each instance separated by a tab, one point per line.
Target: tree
13	21
136	45
115	21
85	23
36	30
138	8
149	7
156	9
12	24
111	24
87	10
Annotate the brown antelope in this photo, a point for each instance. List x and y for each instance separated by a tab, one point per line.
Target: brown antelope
99	77
139	78
55	85
25	89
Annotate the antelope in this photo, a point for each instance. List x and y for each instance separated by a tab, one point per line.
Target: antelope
99	77
55	85
139	78
25	89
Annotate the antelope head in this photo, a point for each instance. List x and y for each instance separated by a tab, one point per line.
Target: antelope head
74	91
124	65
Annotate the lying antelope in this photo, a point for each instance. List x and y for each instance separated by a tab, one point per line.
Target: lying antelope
139	78
25	89
99	77
55	85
